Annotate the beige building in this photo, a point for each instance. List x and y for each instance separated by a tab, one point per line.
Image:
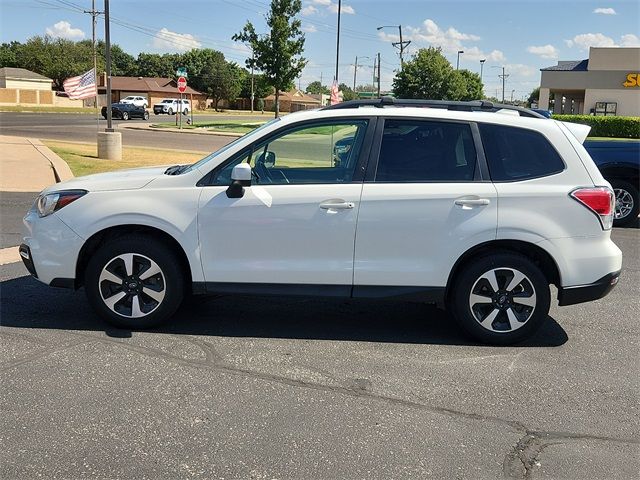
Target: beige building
607	83
23	79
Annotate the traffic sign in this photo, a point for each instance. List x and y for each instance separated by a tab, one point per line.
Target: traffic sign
181	72
182	84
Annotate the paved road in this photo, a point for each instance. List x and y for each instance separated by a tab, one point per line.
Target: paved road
246	387
83	128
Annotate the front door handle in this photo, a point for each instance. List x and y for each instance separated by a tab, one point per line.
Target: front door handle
472	202
337	205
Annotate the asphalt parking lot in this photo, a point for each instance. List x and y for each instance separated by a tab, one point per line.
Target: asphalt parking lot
292	388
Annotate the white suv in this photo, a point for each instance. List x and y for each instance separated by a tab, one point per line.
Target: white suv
136	100
171	106
476	207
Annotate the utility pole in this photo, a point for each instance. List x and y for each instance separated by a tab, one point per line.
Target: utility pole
338	41
512	92
503	77
107	41
378	74
253	95
482	65
401	45
355	71
373	80
94	14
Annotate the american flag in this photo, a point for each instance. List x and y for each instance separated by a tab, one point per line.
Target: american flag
336	96
82	86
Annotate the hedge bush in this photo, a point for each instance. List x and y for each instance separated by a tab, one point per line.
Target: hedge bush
618	127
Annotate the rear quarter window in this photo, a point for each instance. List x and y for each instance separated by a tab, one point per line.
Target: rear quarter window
518	154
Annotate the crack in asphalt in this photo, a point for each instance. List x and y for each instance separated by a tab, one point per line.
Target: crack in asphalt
519	463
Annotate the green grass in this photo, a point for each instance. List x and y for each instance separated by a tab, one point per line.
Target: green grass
231	126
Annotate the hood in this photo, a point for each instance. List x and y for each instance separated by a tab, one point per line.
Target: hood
118	180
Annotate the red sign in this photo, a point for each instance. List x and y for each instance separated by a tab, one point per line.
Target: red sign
182	84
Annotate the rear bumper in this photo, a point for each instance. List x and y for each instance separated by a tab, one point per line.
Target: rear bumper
587	293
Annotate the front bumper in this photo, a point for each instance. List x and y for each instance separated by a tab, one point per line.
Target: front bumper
587	293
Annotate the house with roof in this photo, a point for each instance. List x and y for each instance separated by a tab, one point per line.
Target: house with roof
606	83
154	89
292	101
22	86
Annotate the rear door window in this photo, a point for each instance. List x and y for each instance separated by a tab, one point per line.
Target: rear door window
518	154
426	151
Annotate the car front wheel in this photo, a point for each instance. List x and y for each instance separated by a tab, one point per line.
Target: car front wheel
125	116
501	298
170	111
134	282
145	115
627	203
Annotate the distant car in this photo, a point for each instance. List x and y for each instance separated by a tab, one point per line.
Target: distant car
544	113
619	163
171	106
136	100
125	111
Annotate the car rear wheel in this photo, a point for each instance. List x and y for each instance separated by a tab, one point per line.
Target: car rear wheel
125	116
145	115
185	112
501	298
627	203
170	111
134	282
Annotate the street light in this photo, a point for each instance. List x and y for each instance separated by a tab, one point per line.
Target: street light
355	71
458	61
482	65
401	45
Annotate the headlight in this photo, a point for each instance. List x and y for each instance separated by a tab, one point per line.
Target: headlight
51	202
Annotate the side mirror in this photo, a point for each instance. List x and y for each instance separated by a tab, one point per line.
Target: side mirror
240	178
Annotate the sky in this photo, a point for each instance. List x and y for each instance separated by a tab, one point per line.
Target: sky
520	35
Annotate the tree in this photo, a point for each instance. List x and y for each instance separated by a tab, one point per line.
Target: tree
534	96
224	84
155	65
261	88
9	54
366	88
428	75
347	92
473	86
278	53
316	88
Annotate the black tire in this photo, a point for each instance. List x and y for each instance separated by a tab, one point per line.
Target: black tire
145	116
474	279
185	111
169	282
170	111
125	116
625	192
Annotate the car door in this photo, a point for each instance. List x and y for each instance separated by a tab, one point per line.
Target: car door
426	200
296	223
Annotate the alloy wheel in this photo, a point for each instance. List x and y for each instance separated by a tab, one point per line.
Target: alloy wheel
502	300
624	203
132	285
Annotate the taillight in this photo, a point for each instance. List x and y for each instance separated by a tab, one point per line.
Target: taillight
600	200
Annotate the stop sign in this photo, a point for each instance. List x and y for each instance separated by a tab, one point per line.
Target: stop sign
182	84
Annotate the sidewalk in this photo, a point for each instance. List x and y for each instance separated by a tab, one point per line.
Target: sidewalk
26	167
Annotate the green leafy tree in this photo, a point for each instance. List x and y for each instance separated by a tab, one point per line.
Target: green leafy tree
278	53
366	88
428	75
347	92
9	54
316	88
261	88
534	96
57	59
155	65
472	85
211	74
224	83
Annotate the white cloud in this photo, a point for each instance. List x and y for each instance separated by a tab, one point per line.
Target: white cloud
544	51
330	6
172	41
451	40
63	29
605	11
520	70
309	10
630	40
309	28
586	40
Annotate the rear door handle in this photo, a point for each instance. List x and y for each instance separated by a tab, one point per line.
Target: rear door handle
337	205
468	202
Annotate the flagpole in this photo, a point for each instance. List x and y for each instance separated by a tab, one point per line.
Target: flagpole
107	41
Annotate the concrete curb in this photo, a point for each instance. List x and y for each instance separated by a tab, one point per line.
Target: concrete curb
61	170
149	128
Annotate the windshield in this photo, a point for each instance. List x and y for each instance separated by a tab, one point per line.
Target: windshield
130	98
166	101
215	154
